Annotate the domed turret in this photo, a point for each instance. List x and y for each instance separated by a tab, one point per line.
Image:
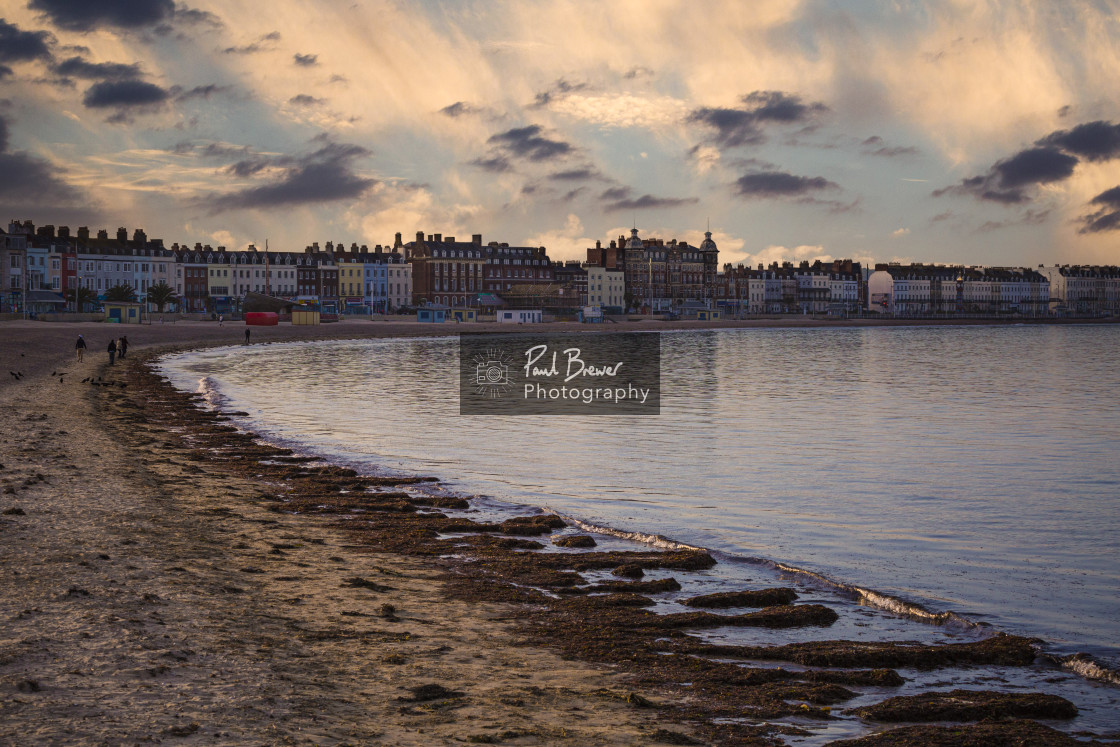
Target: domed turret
707	245
634	242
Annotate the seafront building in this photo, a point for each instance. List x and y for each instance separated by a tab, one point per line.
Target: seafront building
45	269
661	276
921	290
817	288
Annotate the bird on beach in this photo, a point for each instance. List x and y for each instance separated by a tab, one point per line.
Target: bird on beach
54	373
85	379
15	375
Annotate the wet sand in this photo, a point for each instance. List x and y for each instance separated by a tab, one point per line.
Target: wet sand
163	583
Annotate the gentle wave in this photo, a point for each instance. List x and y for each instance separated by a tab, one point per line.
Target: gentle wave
1085	666
653	540
867	597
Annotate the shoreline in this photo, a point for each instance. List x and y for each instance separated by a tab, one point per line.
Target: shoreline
616	640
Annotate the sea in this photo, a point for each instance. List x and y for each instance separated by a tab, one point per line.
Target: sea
932	483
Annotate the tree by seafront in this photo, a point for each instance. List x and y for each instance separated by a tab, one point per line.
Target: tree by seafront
81	298
161	294
121	293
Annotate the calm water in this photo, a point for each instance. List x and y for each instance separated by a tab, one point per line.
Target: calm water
973	469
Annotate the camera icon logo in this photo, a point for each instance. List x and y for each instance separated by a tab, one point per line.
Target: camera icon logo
491	373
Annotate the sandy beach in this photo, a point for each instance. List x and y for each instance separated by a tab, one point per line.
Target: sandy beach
168	579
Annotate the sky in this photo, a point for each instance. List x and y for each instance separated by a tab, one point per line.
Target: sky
953	131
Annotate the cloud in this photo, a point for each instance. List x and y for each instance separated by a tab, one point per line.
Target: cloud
325	175
1010	180
573	175
780	184
124	94
194	17
1107	217
739	127
23	46
899	233
458	109
527	142
565	243
560	89
5	71
637	72
1052	159
493	164
1093	141
302	99
615	194
262	44
30	181
110	71
646	202
306	60
200	92
87	15
876	146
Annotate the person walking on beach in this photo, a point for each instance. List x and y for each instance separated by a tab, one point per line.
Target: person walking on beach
112	351
122	347
80	347
220	319
247	330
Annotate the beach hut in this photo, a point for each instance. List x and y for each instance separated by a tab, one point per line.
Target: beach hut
305	316
520	316
261	318
707	315
122	312
464	315
435	313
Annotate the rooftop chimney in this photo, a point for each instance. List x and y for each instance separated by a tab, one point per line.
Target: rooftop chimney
122	235
476	239
83	233
103	234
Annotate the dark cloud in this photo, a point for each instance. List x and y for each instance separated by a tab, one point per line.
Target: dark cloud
780	184
86	15
1106	217
458	109
615	194
637	72
302	99
194	17
77	67
649	201
325	175
306	60
559	90
200	92
247	167
776	106
495	164
1028	218
260	45
1010	181
573	175
30	181
1093	141
1053	158
124	94
739	127
23	46
876	146
5	71
527	142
